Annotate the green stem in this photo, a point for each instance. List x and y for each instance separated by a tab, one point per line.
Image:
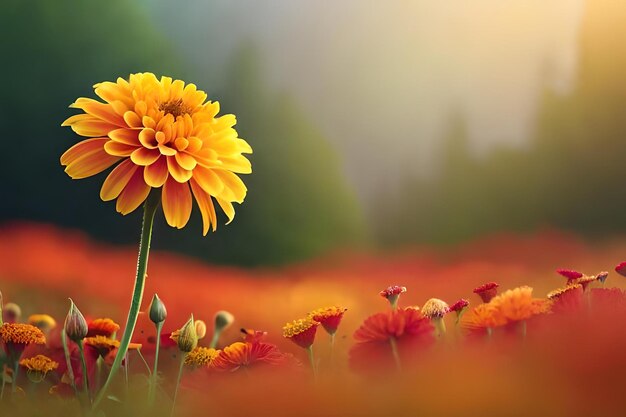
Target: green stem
149	209
153	377
81	349
312	361
16	368
180	376
215	339
144	362
394	351
4	372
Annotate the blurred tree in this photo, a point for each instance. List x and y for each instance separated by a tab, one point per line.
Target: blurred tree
298	204
571	175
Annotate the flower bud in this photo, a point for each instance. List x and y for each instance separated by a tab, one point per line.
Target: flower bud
158	313
75	324
11	313
200	329
223	320
187	337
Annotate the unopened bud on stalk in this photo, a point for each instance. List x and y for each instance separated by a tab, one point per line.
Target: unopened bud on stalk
11	313
200	329
158	312
223	319
75	324
187	337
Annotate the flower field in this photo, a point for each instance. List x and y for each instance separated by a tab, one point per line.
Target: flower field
564	358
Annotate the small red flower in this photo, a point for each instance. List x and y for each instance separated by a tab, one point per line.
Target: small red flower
487	291
459	305
328	317
570	274
393	290
301	332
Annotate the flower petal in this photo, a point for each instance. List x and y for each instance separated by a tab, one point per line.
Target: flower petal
102	111
209	218
144	156
117	180
176	199
185	160
178	173
208	180
86	159
82	148
233	184
87	125
156	173
127	136
228	208
135	193
118	149
239	164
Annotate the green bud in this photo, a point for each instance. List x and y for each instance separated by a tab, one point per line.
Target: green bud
158	312
223	319
187	337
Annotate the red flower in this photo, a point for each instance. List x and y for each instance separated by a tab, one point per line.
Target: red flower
459	305
406	327
245	354
487	291
328	317
301	332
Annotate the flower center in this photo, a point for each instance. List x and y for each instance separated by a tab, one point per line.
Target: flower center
175	108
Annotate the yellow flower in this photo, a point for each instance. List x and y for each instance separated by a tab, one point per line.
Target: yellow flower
39	363
162	134
201	356
42	321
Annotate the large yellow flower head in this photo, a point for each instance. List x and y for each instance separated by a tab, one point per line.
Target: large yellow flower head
160	133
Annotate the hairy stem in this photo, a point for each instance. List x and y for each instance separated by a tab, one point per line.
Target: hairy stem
150	207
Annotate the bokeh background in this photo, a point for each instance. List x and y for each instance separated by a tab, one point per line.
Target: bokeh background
375	124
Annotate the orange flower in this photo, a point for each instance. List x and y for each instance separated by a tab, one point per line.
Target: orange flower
201	356
102	327
518	304
301	332
245	354
163	134
17	336
102	344
251	335
38	366
481	318
328	317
